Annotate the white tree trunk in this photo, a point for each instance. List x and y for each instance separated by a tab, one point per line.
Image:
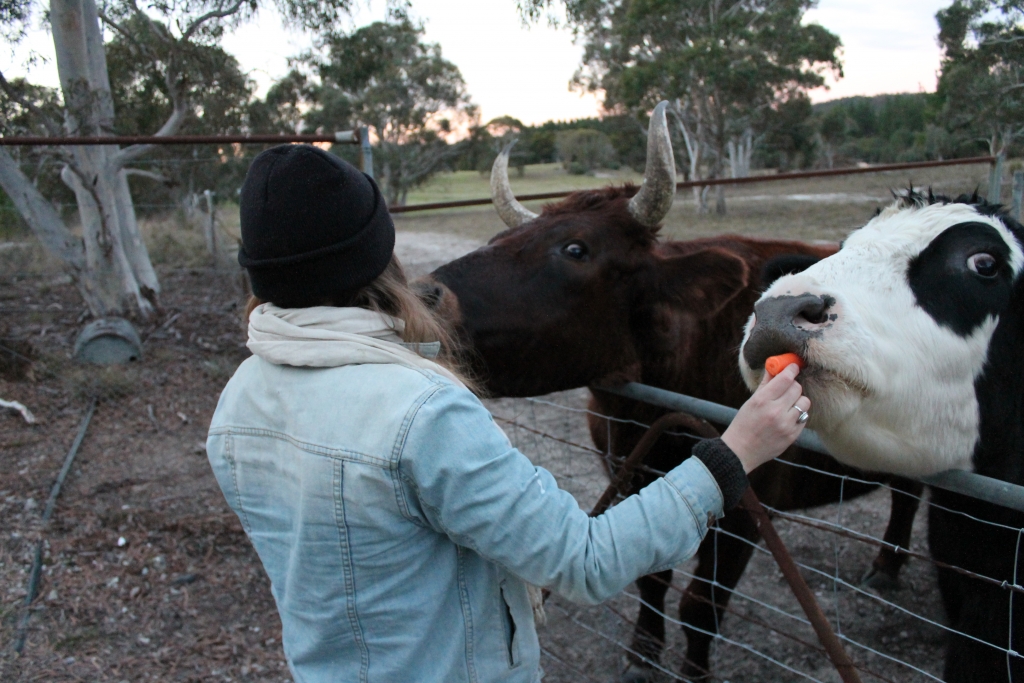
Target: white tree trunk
741	152
117	269
52	233
692	140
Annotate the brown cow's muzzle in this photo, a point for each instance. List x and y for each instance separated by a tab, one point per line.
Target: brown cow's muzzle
439	299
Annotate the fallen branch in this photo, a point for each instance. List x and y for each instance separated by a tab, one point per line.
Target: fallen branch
20	408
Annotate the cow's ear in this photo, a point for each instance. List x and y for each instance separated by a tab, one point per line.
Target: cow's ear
703	282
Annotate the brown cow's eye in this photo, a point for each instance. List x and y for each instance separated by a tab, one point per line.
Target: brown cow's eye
575	250
983	264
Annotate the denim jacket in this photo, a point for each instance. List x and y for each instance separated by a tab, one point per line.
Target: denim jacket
399	526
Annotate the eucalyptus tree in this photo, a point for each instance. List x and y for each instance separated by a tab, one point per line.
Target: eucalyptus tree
721	63
982	77
109	262
224	103
385	76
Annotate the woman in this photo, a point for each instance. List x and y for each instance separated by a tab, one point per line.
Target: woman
398	525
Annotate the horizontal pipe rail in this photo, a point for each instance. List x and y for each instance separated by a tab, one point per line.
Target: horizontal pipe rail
966	483
350	137
799	175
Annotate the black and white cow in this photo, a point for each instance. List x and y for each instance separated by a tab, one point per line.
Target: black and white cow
913	334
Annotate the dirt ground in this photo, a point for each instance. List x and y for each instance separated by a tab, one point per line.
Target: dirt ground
148	575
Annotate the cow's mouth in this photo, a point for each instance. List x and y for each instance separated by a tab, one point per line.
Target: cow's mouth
834	395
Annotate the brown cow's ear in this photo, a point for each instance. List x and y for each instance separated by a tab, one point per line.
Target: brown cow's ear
705	281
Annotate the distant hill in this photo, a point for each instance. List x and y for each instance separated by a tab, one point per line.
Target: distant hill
876	101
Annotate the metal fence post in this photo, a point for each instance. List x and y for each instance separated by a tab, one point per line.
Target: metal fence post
210	227
365	151
995	179
1018	194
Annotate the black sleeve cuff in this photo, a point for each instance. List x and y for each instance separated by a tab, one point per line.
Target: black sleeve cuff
726	469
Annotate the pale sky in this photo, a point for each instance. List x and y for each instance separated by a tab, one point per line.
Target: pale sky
889	46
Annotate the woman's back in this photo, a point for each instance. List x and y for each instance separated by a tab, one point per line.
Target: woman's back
367	588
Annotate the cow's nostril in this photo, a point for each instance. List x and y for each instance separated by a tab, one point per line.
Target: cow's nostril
429	293
815	311
781	325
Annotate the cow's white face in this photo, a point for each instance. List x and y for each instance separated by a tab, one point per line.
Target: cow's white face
895	330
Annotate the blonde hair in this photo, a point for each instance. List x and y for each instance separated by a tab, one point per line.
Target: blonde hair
391	294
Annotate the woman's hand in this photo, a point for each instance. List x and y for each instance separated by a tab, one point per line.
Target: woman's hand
766	424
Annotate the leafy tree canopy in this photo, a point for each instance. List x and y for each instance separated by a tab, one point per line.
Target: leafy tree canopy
982	79
727	66
748	52
384	76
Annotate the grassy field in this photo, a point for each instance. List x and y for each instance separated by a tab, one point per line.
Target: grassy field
816	208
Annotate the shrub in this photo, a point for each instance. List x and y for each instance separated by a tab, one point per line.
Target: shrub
585	149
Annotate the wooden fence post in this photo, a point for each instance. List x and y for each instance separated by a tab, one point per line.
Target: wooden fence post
210	227
365	151
995	180
1018	194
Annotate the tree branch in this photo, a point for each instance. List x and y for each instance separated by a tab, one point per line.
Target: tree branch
159	31
149	174
214	14
125	33
40	215
171	126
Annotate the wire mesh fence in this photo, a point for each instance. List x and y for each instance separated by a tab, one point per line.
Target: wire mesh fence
892	635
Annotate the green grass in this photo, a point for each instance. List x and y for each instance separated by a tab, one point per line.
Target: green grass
449	187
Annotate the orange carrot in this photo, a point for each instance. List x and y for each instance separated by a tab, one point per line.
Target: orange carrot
776	364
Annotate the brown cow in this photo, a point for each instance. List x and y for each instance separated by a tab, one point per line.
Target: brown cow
586	294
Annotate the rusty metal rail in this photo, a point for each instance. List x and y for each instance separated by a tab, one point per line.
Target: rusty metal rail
778	177
822	627
359	136
819	622
341	137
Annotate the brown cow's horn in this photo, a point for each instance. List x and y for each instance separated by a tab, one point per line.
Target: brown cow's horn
652	202
509	209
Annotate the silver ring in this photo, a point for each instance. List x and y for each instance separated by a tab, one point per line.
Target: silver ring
804	416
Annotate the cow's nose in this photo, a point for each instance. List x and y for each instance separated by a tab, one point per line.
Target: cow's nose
429	291
784	324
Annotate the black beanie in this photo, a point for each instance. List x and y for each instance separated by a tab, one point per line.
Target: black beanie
314	228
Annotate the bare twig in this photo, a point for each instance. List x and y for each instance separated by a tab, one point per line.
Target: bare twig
152	175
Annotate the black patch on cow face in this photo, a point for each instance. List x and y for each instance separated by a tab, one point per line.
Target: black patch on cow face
785	264
959	292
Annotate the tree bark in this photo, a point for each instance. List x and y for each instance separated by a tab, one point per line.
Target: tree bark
741	151
50	229
117	266
692	140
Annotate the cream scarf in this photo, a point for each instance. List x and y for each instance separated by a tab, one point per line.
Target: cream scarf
327	337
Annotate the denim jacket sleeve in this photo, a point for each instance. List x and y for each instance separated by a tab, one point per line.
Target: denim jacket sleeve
473	486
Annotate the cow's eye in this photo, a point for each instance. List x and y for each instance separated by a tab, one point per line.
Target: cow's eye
984	265
576	251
